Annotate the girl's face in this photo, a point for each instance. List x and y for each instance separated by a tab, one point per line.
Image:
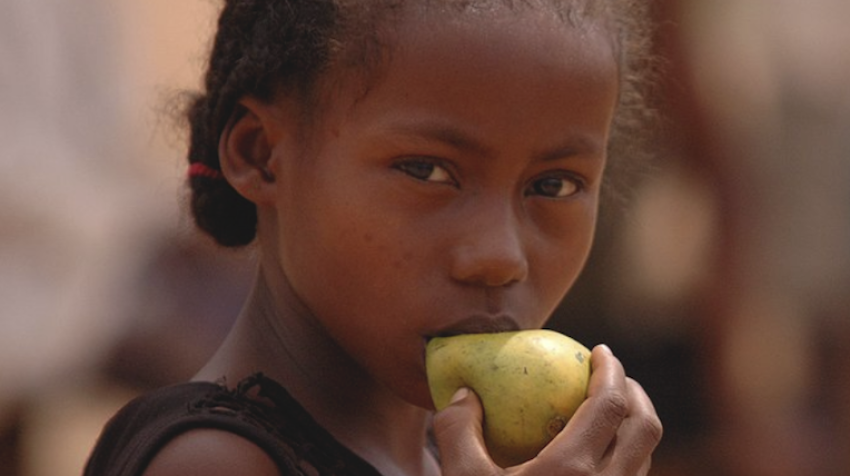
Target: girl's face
458	195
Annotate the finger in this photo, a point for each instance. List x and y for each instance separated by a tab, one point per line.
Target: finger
588	438
458	431
639	434
645	467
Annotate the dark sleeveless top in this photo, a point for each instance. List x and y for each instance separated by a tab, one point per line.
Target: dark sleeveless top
259	409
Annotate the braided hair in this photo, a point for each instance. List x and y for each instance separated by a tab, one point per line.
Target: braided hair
259	45
264	46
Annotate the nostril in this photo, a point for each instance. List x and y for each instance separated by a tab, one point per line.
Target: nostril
490	267
489	249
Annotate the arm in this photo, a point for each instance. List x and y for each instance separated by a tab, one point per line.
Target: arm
209	452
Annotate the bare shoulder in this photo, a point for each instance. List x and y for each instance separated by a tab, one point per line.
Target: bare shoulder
211	452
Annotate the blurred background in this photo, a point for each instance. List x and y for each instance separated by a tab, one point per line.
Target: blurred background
723	285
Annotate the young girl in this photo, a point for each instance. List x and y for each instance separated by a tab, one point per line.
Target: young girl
408	169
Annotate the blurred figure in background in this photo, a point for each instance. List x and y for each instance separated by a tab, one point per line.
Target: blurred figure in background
740	241
88	188
770	113
68	197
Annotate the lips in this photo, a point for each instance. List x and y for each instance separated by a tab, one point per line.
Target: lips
479	325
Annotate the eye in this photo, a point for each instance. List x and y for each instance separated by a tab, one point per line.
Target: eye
555	186
425	170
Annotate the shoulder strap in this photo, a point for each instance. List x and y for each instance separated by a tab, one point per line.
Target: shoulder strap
132	438
259	409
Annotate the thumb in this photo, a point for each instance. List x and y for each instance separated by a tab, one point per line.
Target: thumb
458	431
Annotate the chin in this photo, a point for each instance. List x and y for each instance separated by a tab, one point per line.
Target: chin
418	395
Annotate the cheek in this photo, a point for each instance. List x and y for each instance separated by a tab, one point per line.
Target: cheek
352	261
565	245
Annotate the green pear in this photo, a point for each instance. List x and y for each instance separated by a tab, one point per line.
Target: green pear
530	383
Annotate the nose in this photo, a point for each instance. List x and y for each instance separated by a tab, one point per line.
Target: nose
490	250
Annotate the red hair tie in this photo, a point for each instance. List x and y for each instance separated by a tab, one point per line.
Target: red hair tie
200	169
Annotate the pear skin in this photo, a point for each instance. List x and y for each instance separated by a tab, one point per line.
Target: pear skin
530	383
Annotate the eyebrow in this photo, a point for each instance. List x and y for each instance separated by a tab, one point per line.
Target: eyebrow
441	132
575	144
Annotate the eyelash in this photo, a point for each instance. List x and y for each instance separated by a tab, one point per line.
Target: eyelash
536	186
423	169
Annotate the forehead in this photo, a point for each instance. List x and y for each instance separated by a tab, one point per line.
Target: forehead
489	74
439	39
532	31
370	32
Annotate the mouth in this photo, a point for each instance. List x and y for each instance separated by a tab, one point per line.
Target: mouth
479	325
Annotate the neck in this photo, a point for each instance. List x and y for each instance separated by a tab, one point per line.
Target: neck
277	335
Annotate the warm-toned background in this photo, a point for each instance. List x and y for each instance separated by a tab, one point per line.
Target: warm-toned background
724	286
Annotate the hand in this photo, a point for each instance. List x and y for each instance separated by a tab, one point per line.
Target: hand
613	433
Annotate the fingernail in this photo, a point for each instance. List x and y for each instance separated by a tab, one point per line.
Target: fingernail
606	349
459	395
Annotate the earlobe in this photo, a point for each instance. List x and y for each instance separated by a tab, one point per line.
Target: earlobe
245	151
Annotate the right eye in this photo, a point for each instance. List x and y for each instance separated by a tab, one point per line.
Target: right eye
425	170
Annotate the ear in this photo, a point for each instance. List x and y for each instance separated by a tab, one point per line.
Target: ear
245	151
